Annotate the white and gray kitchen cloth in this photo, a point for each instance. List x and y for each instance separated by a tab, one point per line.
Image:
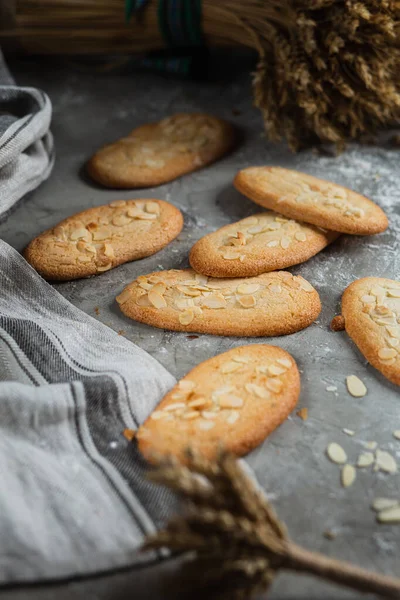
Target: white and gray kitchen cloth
26	143
74	499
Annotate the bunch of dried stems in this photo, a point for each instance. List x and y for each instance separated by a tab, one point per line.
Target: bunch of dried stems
234	537
327	70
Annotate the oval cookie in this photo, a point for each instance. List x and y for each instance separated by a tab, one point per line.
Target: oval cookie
371	311
271	304
103	237
316	201
160	152
261	243
234	400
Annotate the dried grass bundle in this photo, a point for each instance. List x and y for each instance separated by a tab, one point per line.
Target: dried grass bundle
235	539
328	69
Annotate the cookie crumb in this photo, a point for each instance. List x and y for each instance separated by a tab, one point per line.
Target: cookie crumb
192	337
355	386
129	434
329	534
122	332
337	323
331	388
396	434
97	310
303	413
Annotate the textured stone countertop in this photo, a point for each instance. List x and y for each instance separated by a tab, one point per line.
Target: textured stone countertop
90	110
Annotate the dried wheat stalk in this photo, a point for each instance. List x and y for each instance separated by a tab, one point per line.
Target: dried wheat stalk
328	69
235	539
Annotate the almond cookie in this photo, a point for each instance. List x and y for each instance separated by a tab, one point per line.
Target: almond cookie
261	243
316	201
371	312
234	400
271	304
104	237
160	152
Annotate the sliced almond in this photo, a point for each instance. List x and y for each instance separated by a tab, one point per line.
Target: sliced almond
259	391
187	385
396	434
230	255
157	300
393	342
198	403
348	475
159	288
384	503
385	462
174	406
242	359
300	236
285	242
275	385
348	431
153	208
145	285
355	386
305	286
272	244
84	258
186	317
371	445
76	234
214	301
232	417
117	203
247	301
394	293
159	414
275	288
285	362
365	459
248	288
101	269
391	515
230	401
134	212
142	216
336	453
120	220
387	353
102	233
207	414
275	370
189	416
368	299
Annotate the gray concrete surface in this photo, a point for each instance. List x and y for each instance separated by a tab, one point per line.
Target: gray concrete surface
90	110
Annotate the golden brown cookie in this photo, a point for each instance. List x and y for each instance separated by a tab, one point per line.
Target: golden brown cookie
271	304
104	237
316	201
160	152
264	242
234	400
371	312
